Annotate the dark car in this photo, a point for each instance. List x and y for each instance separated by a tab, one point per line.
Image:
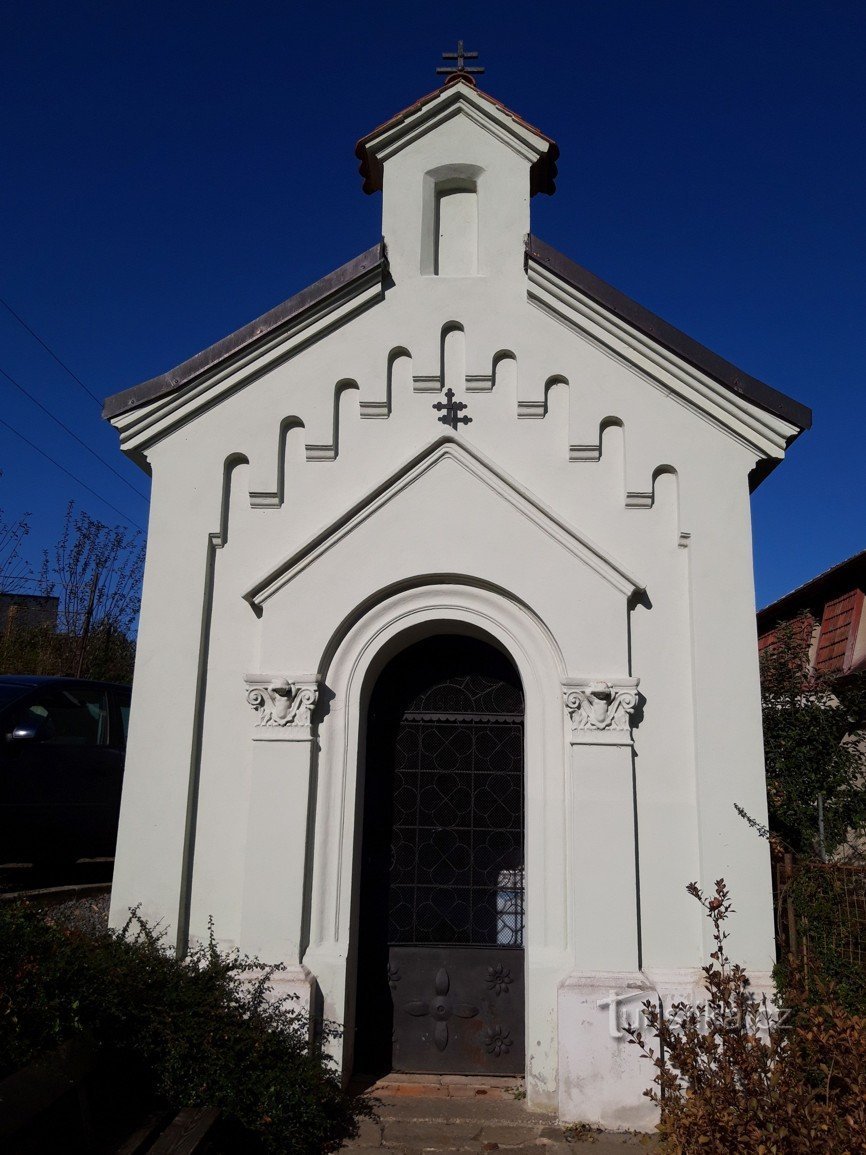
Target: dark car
62	749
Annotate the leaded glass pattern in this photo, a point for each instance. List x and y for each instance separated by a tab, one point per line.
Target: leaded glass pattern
456	866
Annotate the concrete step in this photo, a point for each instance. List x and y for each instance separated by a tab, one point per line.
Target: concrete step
413	1122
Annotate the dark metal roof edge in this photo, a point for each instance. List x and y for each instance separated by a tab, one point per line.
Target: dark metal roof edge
827	578
734	379
166	383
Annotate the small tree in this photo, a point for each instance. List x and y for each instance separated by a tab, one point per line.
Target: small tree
95	570
14	570
815	764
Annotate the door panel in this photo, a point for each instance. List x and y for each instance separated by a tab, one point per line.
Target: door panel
457	1010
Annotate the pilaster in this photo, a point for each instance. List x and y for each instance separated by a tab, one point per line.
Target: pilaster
284	748
603	829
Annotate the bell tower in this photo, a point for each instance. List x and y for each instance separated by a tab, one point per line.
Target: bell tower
456	170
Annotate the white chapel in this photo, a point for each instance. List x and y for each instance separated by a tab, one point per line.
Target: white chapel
447	680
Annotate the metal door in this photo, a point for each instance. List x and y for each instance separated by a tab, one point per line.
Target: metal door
442	907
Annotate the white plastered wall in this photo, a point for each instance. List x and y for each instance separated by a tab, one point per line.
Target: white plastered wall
582	431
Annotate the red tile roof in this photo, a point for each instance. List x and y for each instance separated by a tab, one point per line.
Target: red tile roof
836	599
542	174
839	627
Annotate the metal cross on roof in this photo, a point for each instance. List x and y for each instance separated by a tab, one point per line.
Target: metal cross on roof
451	410
461	56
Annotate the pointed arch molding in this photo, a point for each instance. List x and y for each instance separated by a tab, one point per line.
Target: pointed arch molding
481	467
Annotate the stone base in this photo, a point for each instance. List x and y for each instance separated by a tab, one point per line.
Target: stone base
297	983
602	1075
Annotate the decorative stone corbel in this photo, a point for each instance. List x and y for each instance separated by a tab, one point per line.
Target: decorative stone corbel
600	709
283	706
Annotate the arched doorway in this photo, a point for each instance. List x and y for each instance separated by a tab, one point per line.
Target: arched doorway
441	910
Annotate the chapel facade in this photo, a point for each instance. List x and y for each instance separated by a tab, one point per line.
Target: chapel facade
447	680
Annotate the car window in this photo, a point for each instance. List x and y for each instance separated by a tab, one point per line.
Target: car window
68	717
123	710
10	693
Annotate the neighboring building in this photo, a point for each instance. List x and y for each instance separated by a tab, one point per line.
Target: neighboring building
835	600
27	611
446	681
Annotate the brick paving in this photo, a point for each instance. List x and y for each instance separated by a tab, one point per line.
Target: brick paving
426	1113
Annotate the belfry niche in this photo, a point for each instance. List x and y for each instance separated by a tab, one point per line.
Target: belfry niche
447	679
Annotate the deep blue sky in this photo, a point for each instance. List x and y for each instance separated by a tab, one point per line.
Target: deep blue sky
171	170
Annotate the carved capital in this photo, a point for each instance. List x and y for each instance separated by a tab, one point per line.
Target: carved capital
283	706
600	709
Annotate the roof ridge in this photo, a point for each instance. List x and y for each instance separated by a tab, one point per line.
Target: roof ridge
822	576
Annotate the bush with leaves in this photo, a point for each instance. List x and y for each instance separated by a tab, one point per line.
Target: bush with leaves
734	1077
810	747
821	921
204	1028
828	900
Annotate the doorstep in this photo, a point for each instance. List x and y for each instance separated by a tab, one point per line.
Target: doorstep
399	1086
433	1113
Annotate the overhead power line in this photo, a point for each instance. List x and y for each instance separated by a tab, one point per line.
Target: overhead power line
33	581
66	429
50	351
69	473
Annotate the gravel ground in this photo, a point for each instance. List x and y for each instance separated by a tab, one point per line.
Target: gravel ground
86	914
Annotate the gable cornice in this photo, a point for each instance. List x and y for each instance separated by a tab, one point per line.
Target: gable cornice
482	468
668	335
763	432
150	411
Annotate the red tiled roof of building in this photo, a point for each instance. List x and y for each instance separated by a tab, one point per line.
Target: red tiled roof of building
839	626
834	598
832	582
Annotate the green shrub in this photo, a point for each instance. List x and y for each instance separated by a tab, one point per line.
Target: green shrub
809	718
733	1078
203	1028
829	904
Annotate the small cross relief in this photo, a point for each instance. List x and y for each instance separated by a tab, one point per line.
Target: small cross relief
451	410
